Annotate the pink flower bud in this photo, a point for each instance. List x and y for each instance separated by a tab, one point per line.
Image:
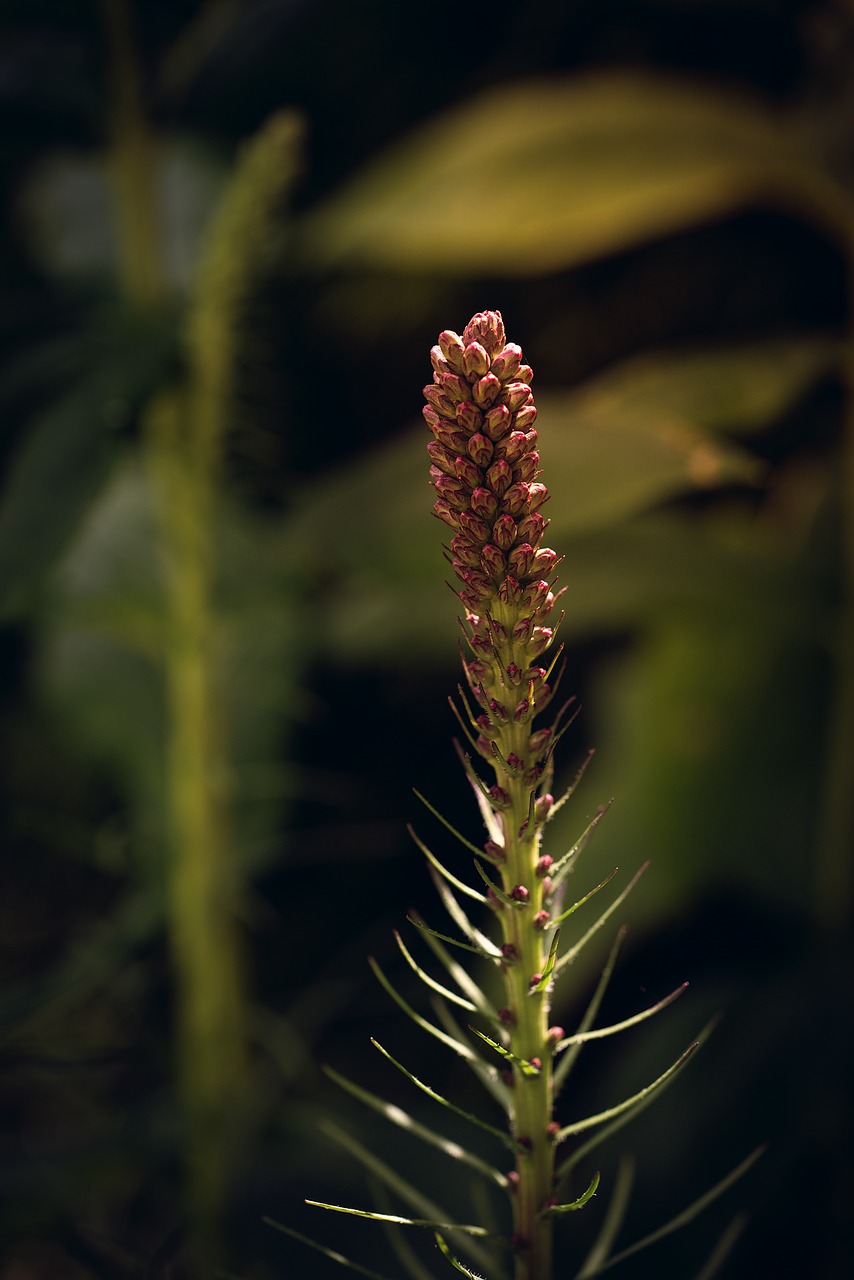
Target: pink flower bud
520	559
541	919
486	327
497	421
534	979
474	527
475	361
537	1064
485	390
504	532
515	395
498	710
437	399
552	1129
519	893
509	591
467	472
514	675
513	446
469	416
535	594
523	711
509	952
480	449
495	854
538	741
537	495
452	492
544	562
541	638
499	477
463	551
499	797
526	468
455	387
532	527
440	457
525	373
516	498
451	346
505	364
437	359
477	670
508	1017
543	864
431	417
554	1035
449	435
543	807
525	417
447	513
484	503
522	629
512	1180
498	632
514	763
492	561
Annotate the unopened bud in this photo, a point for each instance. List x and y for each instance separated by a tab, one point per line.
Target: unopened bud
519	893
526	467
516	394
469	416
508	1017
455	387
523	711
467	472
499	477
509	591
494	852
492	561
451	346
505	364
465	551
544	864
513	446
497	421
504	532
525	417
484	503
516	498
485	390
537	495
480	449
539	740
499	798
554	1035
525	373
543	808
474	527
541	919
509	952
475	360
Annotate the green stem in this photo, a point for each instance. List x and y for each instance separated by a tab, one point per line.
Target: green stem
529	1011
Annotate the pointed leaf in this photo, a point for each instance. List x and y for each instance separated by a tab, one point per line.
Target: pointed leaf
447	825
455	1262
470	1230
592	1122
403	1120
451	879
613	1220
581	1037
565	864
569	956
437	1097
551	966
454	942
566	1063
461	920
456	971
322	1248
524	1066
553	924
575	1204
459	1046
431	982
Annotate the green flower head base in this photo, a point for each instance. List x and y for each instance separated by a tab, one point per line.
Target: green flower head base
480	409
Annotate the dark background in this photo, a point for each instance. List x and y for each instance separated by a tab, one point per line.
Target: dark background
698	446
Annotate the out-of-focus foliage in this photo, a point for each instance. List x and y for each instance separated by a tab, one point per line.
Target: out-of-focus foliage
660	196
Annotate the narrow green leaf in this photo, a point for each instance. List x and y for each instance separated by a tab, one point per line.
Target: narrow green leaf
686	1216
468	1229
399	1241
591	1122
564	864
403	1120
447	825
461	920
459	1046
496	889
524	1066
465	983
322	1248
423	1206
553	924
575	1204
575	781
551	966
454	942
485	1071
431	982
481	793
569	956
613	1220
451	879
455	1262
582	1037
568	1059
723	1248
452	1106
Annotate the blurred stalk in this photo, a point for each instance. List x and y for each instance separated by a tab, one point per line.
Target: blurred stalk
133	163
187	434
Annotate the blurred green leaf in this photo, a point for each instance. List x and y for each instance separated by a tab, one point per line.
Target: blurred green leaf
537	176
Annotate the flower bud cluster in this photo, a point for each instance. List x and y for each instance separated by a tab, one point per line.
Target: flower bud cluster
480	409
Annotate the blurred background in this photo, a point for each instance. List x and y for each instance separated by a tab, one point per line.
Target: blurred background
231	232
